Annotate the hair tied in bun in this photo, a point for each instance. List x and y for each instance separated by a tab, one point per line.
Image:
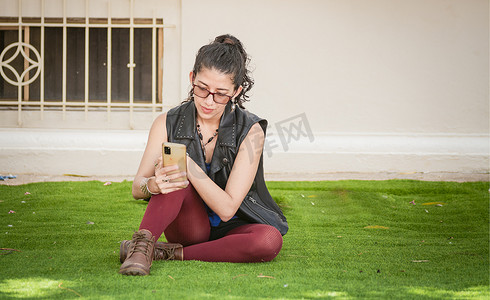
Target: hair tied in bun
229	41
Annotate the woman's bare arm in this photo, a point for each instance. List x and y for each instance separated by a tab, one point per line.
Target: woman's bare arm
226	202
151	164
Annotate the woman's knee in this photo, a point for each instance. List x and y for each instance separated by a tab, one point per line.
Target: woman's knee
274	245
267	243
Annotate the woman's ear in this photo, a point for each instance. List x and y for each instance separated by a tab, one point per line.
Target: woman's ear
238	91
191	77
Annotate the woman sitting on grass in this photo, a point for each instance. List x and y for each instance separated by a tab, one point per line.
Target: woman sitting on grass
221	211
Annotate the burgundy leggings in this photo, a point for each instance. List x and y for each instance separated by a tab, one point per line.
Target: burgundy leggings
182	217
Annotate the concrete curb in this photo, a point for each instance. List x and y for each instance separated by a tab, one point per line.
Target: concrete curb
455	177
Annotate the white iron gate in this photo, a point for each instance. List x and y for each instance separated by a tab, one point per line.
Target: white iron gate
33	69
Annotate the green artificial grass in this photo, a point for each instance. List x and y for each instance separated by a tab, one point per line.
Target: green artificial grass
347	239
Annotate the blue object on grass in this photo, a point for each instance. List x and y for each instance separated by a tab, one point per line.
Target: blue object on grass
6	177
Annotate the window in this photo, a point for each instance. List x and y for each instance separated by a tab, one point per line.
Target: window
76	64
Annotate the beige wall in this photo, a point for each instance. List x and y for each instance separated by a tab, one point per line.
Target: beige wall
358	66
379	66
385	85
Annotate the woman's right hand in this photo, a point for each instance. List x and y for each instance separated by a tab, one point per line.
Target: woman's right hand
166	182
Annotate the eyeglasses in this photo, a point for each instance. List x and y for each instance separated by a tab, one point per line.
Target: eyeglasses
204	93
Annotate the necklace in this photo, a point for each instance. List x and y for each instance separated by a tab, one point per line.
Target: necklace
203	145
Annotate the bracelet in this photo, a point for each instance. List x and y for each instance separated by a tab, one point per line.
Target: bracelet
144	187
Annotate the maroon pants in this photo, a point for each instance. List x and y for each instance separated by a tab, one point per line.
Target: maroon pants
182	217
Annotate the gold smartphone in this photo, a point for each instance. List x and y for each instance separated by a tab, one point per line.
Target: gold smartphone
174	154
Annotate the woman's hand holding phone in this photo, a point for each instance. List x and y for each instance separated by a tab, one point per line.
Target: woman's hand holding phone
167	179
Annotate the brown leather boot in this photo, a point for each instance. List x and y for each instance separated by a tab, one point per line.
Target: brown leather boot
163	251
140	254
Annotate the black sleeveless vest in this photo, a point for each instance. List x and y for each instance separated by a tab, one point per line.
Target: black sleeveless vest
258	205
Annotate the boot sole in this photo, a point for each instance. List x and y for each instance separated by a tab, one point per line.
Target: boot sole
134	270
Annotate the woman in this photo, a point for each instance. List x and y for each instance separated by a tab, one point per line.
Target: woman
221	211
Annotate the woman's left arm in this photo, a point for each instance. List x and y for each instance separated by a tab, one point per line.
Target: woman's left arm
225	203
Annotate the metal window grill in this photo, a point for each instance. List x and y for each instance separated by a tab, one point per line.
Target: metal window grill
34	63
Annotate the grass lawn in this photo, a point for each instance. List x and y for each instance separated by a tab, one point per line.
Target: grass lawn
347	239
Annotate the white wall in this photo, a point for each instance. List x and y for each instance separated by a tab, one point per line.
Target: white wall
401	74
358	66
384	85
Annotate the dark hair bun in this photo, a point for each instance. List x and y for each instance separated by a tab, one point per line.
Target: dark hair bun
227	39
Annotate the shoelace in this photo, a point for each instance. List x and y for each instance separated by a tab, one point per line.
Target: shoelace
167	253
140	243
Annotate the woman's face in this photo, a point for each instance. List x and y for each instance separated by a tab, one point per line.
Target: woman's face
215	82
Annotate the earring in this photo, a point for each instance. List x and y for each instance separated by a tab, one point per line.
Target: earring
233	105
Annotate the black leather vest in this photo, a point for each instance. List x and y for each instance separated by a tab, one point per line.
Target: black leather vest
258	205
